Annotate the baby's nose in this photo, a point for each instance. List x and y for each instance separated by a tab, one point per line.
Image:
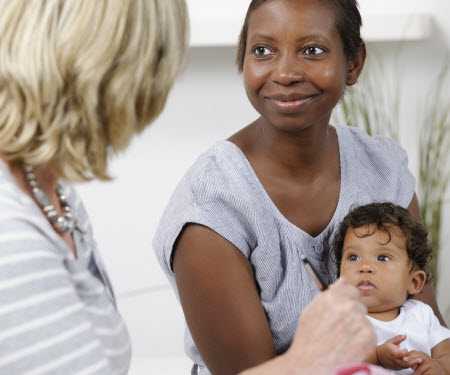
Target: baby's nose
366	267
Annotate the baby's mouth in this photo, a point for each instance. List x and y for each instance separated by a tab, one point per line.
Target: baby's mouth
366	285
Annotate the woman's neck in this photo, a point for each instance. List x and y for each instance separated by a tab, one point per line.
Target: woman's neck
304	153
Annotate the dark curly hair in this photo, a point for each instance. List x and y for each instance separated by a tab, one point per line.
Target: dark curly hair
348	24
382	215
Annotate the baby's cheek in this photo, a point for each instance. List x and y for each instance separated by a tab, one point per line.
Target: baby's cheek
345	272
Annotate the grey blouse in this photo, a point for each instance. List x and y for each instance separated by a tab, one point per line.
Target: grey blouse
221	191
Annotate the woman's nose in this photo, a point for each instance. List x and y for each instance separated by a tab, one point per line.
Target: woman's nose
289	70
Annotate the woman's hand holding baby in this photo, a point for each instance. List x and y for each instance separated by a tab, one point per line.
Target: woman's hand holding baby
333	330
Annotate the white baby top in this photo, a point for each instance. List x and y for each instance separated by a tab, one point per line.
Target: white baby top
418	322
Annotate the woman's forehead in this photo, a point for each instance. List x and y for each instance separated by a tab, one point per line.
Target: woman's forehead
302	17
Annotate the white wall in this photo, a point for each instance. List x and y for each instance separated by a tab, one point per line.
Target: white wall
209	104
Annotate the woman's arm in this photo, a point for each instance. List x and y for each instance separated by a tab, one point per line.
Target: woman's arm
437	364
221	302
441	353
428	294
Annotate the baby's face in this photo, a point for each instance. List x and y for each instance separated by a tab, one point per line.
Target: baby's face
378	266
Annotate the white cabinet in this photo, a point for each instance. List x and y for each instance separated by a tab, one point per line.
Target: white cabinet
218	23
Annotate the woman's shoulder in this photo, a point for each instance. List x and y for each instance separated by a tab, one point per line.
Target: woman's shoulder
22	225
378	166
216	192
358	138
13	202
220	171
381	155
220	177
219	157
23	236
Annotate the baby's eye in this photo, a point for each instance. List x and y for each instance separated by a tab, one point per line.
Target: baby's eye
313	51
382	258
352	258
261	51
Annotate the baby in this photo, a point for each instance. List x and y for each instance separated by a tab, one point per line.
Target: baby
382	250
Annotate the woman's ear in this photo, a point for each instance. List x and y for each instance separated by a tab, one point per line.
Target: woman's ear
355	66
417	282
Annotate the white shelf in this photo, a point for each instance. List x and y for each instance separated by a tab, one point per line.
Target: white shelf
396	27
219	24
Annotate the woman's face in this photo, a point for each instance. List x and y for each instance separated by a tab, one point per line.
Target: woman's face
295	70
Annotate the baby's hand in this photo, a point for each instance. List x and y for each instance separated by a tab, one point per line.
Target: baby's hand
423	364
391	356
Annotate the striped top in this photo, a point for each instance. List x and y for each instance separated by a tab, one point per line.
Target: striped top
221	191
57	312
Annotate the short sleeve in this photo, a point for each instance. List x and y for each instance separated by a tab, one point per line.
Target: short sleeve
210	196
406	182
376	168
437	332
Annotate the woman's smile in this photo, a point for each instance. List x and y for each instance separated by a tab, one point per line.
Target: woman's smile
290	104
294	68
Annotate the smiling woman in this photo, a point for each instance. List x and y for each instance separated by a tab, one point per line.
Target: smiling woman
236	229
273	62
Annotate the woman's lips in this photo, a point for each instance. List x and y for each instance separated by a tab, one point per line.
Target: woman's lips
290	105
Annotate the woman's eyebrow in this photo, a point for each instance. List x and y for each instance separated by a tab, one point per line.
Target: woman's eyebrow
302	39
261	36
312	37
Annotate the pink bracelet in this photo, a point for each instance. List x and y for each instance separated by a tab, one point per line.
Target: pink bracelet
361	369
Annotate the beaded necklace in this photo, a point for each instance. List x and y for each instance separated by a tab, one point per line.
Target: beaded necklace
64	223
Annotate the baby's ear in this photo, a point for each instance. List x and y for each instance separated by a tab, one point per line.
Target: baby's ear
417	282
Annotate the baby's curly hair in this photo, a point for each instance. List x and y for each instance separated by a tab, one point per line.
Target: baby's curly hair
383	215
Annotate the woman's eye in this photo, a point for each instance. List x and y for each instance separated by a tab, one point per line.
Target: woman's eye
261	51
313	51
382	258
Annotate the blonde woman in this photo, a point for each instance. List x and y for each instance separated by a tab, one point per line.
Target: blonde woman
78	79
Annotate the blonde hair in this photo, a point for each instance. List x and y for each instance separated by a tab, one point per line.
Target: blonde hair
78	78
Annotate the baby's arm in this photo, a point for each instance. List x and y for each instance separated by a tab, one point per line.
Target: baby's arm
437	364
389	354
